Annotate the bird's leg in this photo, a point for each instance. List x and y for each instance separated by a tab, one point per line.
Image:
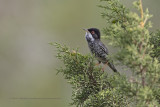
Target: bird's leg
104	66
98	63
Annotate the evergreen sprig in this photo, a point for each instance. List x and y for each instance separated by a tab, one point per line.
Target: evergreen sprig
91	86
132	36
155	41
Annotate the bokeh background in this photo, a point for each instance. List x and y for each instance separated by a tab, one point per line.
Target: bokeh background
28	63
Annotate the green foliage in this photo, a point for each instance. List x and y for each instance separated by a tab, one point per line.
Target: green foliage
155	40
138	50
91	86
131	34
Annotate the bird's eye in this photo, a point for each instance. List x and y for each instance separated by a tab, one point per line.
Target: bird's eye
92	32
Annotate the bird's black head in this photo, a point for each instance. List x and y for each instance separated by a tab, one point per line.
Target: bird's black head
95	33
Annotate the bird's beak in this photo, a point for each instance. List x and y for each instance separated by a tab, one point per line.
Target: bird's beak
86	30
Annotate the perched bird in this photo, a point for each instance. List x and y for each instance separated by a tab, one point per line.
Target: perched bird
97	48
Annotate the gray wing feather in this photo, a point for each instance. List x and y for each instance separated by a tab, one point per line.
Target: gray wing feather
103	47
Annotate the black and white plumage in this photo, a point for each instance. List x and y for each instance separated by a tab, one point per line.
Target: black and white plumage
97	47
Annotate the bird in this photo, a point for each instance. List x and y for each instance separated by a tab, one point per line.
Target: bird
97	48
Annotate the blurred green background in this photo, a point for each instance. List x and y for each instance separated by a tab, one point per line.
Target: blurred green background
27	62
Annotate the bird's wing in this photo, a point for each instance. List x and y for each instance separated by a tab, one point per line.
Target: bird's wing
103	47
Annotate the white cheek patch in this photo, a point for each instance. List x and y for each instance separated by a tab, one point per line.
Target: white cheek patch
89	36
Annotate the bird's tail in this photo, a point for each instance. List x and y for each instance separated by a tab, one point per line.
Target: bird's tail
112	67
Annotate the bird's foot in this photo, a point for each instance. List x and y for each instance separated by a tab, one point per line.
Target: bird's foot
97	64
104	66
102	69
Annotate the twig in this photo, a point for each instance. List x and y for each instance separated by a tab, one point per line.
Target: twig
142	16
142	68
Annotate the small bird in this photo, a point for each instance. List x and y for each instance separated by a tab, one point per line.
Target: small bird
97	48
